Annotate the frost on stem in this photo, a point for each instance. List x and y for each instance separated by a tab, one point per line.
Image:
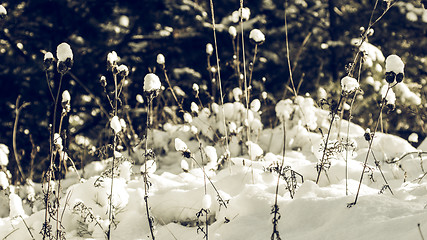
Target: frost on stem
349	84
257	36
3	12
115	125
394	68
64	54
152	84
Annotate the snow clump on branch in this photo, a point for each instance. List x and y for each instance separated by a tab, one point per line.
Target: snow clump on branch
115	125
349	84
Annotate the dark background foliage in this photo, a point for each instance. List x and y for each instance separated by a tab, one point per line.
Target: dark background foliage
180	29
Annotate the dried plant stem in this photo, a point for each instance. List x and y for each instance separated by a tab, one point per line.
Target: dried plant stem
48	85
276	213
29	230
219	77
50	170
15	129
252	66
350	116
333	113
213	186
170	87
366	33
419	229
110	213
370	147
147	208
291	79
377	164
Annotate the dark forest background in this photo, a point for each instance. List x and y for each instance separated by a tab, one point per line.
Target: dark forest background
320	38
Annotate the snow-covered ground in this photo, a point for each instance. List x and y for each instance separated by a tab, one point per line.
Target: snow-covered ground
247	188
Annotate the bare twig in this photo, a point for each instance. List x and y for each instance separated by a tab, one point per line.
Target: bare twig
15	129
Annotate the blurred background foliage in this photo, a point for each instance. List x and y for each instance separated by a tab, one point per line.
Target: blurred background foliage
320	38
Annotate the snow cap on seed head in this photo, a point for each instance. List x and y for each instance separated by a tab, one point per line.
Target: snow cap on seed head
246	13
64	54
284	108
180	145
237	93
160	59
255	105
48	60
187	117
139	98
394	63
115	124
3	12
232	31
257	36
123	70
413	138
66	97
196	87
209	49
112	59
48	56
152	83
349	84
194	107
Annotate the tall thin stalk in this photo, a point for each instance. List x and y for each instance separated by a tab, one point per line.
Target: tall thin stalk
110	213
15	129
275	210
370	146
334	111
219	78
147	208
